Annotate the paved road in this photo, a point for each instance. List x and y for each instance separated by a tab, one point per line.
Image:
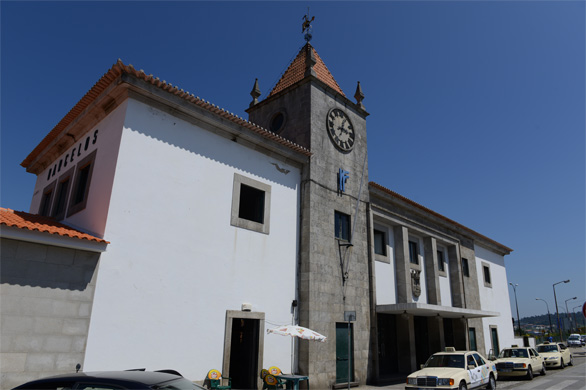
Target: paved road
570	378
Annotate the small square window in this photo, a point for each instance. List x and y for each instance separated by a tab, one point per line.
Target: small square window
380	242
413	252
342	226
251	202
465	269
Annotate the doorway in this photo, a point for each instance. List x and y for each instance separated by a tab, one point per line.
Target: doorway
243	353
243	348
387	345
344	352
421	340
449	332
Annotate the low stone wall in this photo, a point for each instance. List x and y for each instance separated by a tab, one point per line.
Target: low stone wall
46	303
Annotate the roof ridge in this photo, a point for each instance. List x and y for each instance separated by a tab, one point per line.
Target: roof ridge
117	70
420	206
296	71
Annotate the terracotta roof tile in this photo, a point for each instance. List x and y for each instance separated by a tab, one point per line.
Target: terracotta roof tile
425	209
22	220
296	72
113	74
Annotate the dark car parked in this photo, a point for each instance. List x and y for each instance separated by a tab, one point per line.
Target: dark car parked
114	380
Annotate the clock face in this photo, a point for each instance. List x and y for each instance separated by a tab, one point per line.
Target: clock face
340	129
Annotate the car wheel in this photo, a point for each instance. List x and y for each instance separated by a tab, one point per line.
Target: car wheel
542	372
571	363
462	386
562	365
529	373
491	383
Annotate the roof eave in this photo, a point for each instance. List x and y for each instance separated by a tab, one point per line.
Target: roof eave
52	239
109	92
480	239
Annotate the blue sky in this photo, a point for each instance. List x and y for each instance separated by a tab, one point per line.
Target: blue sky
477	108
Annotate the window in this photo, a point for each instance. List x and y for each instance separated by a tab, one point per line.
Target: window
277	122
486	270
472	338
479	359
342	226
441	265
81	184
380	242
465	269
252	204
61	195
413	252
47	200
251	201
471	361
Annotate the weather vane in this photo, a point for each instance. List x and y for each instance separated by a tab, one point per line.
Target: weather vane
306	26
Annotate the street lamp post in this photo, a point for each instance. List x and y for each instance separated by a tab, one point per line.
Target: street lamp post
568	313
517	305
575	318
557	313
548	315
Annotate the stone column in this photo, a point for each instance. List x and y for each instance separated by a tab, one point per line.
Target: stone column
431	271
404	294
456	284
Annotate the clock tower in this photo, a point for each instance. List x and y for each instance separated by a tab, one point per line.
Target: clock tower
308	107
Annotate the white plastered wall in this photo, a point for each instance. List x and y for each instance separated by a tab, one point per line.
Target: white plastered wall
107	135
444	281
175	264
386	289
494	298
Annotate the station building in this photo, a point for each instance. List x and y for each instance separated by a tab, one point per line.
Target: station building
204	229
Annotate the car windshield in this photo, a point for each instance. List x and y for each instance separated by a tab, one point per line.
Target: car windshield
456	361
514	353
574	338
547	348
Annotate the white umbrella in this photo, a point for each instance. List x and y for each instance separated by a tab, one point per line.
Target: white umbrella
298	331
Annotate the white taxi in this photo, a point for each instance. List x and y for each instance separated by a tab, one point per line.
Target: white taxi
454	370
520	361
555	354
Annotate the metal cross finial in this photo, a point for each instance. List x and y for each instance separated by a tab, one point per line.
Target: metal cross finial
306	26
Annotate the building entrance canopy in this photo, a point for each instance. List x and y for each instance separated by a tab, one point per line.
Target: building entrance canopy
427	310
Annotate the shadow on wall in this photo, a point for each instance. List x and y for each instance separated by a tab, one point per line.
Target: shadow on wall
36	265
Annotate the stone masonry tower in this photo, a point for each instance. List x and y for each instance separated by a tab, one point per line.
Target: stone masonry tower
307	106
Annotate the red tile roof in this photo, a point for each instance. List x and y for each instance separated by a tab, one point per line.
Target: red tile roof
22	220
114	74
296	72
429	211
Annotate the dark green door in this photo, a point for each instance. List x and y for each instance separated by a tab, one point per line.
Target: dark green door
342	356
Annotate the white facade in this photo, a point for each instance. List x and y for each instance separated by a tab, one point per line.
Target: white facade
169	173
161	192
